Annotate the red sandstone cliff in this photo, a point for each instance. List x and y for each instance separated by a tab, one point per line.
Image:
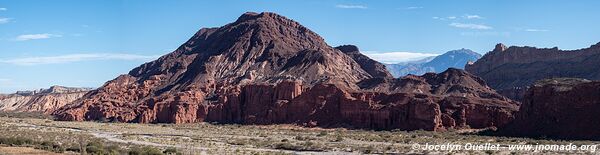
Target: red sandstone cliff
266	69
559	108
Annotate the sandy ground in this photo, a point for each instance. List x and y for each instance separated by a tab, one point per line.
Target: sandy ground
205	138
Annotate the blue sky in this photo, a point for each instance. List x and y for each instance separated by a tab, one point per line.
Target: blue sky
86	43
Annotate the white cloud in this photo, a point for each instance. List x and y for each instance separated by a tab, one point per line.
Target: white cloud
472	16
4	20
26	37
413	7
29	61
397	57
343	6
3	9
485	34
446	18
4	80
467	16
471	26
536	30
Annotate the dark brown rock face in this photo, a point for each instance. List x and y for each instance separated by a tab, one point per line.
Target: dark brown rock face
511	70
267	69
559	108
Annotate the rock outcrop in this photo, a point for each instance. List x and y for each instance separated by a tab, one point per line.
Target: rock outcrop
451	59
267	69
563	108
374	68
43	100
511	70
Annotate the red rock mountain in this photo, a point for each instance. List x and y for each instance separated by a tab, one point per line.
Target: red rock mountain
266	69
511	70
563	108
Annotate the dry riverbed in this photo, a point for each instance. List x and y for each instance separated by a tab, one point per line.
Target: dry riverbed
206	138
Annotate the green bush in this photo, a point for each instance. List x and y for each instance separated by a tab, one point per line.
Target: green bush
73	149
98	148
25	115
50	146
95	148
172	151
16	141
288	146
145	151
304	138
238	142
135	151
322	133
152	151
92	148
338	139
113	150
45	145
368	150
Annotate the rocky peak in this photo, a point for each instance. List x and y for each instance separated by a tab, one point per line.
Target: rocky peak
500	47
347	48
595	46
53	90
455	76
265	44
271	26
263	17
464	51
455	72
62	89
374	68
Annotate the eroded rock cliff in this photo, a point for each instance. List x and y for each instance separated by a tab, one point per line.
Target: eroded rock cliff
510	70
563	108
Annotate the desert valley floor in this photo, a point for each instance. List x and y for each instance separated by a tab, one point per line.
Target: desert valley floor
206	138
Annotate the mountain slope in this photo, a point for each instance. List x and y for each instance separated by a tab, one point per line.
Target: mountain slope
257	48
511	70
451	59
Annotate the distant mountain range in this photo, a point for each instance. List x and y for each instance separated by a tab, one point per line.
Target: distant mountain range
452	59
42	100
